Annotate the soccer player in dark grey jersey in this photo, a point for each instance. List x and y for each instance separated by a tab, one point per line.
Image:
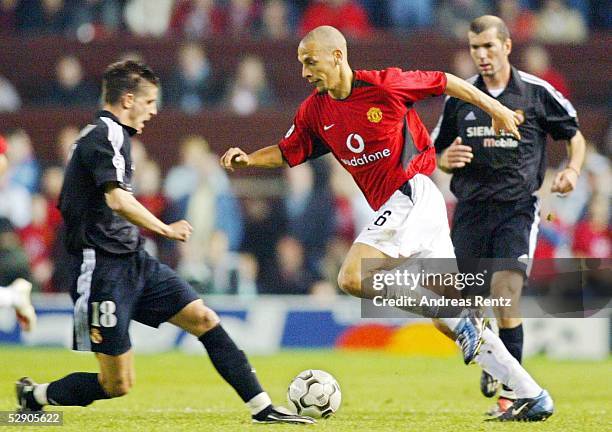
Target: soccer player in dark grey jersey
494	178
114	280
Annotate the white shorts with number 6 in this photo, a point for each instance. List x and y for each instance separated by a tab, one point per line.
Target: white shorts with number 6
414	226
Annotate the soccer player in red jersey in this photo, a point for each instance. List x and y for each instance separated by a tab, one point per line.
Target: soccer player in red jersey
367	121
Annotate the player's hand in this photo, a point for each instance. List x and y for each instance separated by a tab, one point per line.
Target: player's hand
506	121
179	230
456	155
234	158
565	181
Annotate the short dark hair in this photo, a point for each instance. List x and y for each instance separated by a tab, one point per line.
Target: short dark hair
125	77
486	22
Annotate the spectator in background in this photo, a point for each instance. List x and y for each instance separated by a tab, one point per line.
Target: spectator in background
601	14
202	194
9	97
148	18
8	17
559	24
193	86
264	226
66	138
15	203
196	19
241	17
41	16
463	65
250	90
537	62
275	21
408	15
182	180
24	169
294	275
521	21
454	16
37	239
14	262
103	17
309	205
348	16
598	180
51	185
147	189
69	87
592	235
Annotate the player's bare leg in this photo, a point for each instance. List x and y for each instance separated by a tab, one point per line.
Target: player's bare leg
115	379
117	374
231	363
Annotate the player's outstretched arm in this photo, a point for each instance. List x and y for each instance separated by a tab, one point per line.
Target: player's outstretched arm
504	119
267	157
127	206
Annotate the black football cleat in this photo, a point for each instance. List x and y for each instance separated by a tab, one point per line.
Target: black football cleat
274	414
24	389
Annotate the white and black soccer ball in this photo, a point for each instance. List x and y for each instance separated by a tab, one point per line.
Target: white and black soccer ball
314	393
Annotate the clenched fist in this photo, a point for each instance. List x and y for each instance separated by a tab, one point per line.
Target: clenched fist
234	158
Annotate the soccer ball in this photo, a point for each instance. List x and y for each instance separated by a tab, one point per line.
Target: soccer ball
314	393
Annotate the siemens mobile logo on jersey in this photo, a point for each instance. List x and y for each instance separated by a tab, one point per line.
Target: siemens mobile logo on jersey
356	144
490	140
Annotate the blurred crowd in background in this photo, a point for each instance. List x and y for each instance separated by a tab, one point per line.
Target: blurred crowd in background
546	20
293	239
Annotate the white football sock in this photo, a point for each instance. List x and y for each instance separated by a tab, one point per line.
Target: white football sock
499	363
8	297
258	403
40	394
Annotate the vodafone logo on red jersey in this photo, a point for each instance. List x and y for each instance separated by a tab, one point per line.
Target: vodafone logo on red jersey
355	138
356	144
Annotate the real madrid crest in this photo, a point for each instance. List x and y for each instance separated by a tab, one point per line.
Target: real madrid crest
95	335
374	115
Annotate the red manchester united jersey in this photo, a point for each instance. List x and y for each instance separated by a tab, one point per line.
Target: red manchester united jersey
374	133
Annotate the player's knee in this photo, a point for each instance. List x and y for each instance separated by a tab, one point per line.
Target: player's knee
117	387
350	282
205	319
507	284
209	319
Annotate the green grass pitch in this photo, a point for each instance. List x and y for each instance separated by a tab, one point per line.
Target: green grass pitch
381	392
